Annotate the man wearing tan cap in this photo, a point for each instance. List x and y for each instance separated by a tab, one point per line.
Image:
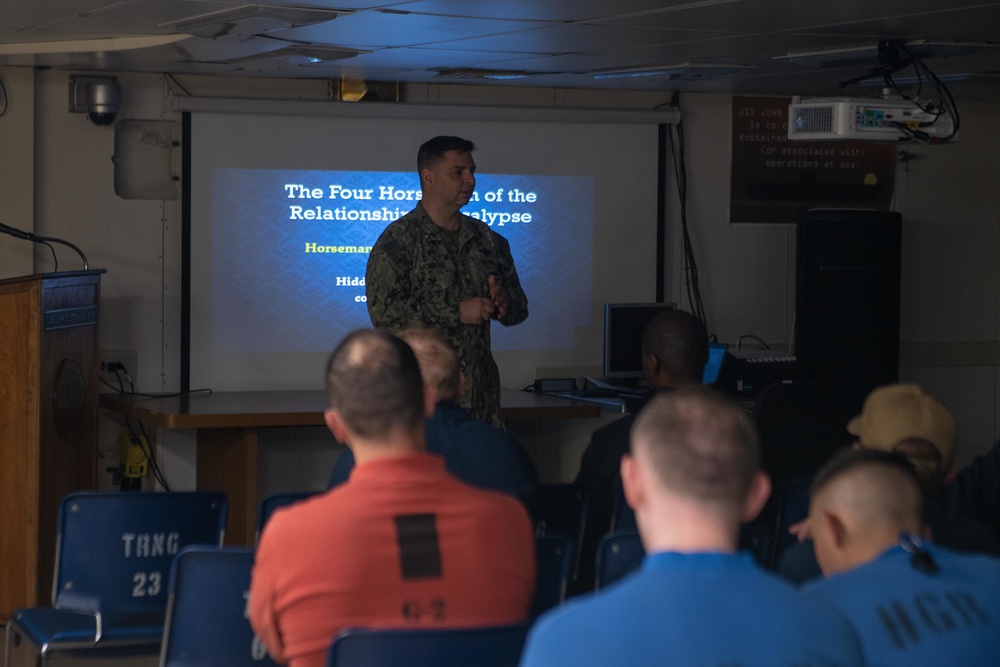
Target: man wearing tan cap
903	419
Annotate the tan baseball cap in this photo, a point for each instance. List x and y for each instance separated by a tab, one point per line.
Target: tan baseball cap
898	412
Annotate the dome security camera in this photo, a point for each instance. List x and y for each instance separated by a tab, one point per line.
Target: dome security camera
97	96
103	99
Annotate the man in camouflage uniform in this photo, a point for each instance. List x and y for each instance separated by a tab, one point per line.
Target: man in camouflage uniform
439	269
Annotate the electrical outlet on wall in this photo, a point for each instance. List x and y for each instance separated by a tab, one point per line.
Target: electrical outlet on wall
123	360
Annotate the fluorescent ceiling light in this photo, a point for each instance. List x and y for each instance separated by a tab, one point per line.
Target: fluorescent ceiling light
868	54
681	72
253	20
473	73
991	78
308	53
104	44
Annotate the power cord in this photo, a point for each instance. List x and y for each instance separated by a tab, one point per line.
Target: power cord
117	368
691	282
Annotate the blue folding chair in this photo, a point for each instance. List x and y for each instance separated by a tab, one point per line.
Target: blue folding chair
562	509
757	539
276	500
207	624
498	646
622	516
793	507
113	558
619	554
554	560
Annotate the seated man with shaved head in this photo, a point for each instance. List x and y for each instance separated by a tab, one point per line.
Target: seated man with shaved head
693	477
906	420
912	603
476	452
401	544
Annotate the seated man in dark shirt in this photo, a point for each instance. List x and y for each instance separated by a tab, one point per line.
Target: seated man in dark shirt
975	491
674	353
474	451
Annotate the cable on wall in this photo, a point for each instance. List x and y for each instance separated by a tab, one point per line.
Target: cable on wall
691	283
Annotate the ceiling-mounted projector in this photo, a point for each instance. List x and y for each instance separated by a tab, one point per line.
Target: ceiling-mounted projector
867	119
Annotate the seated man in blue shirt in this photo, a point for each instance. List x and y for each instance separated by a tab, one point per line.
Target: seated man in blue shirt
474	451
693	477
912	603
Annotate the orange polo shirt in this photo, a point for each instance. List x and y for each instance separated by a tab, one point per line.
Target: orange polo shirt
401	544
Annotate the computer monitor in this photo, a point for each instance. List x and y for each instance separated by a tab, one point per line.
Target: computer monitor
623	327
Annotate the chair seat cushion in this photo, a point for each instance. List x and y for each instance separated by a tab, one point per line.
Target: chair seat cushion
51	627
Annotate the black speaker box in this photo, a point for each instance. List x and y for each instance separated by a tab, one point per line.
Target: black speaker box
847	296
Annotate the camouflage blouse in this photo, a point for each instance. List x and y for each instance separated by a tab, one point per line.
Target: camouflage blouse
416	277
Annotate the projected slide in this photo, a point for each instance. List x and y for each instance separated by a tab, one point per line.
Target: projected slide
289	249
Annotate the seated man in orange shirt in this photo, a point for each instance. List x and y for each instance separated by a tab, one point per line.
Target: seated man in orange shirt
402	543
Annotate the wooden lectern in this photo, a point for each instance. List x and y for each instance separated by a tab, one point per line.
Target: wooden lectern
48	421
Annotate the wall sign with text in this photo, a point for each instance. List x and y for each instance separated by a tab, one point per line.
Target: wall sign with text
773	179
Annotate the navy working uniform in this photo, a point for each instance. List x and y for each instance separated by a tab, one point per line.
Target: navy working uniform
418	273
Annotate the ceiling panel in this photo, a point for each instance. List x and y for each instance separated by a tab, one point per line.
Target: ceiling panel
369	29
547	10
559	42
771	16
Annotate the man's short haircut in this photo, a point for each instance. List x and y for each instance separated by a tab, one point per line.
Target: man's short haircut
679	342
432	150
891	487
374	383
925	459
700	444
437	359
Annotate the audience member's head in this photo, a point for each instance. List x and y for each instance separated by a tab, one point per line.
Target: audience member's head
902	418
674	349
432	150
438	362
860	502
694	467
375	388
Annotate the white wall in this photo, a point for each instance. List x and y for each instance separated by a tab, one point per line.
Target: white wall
950	204
950	260
947	197
17	160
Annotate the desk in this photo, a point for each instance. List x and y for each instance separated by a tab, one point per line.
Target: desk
227	426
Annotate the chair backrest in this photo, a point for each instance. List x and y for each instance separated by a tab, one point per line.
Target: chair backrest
618	554
793	507
206	611
754	537
757	539
554	560
498	646
622	516
276	500
562	508
801	425
114	550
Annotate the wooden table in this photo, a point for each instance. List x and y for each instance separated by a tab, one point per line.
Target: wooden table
227	426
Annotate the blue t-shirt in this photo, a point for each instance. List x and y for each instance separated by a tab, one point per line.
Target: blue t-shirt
905	616
706	609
